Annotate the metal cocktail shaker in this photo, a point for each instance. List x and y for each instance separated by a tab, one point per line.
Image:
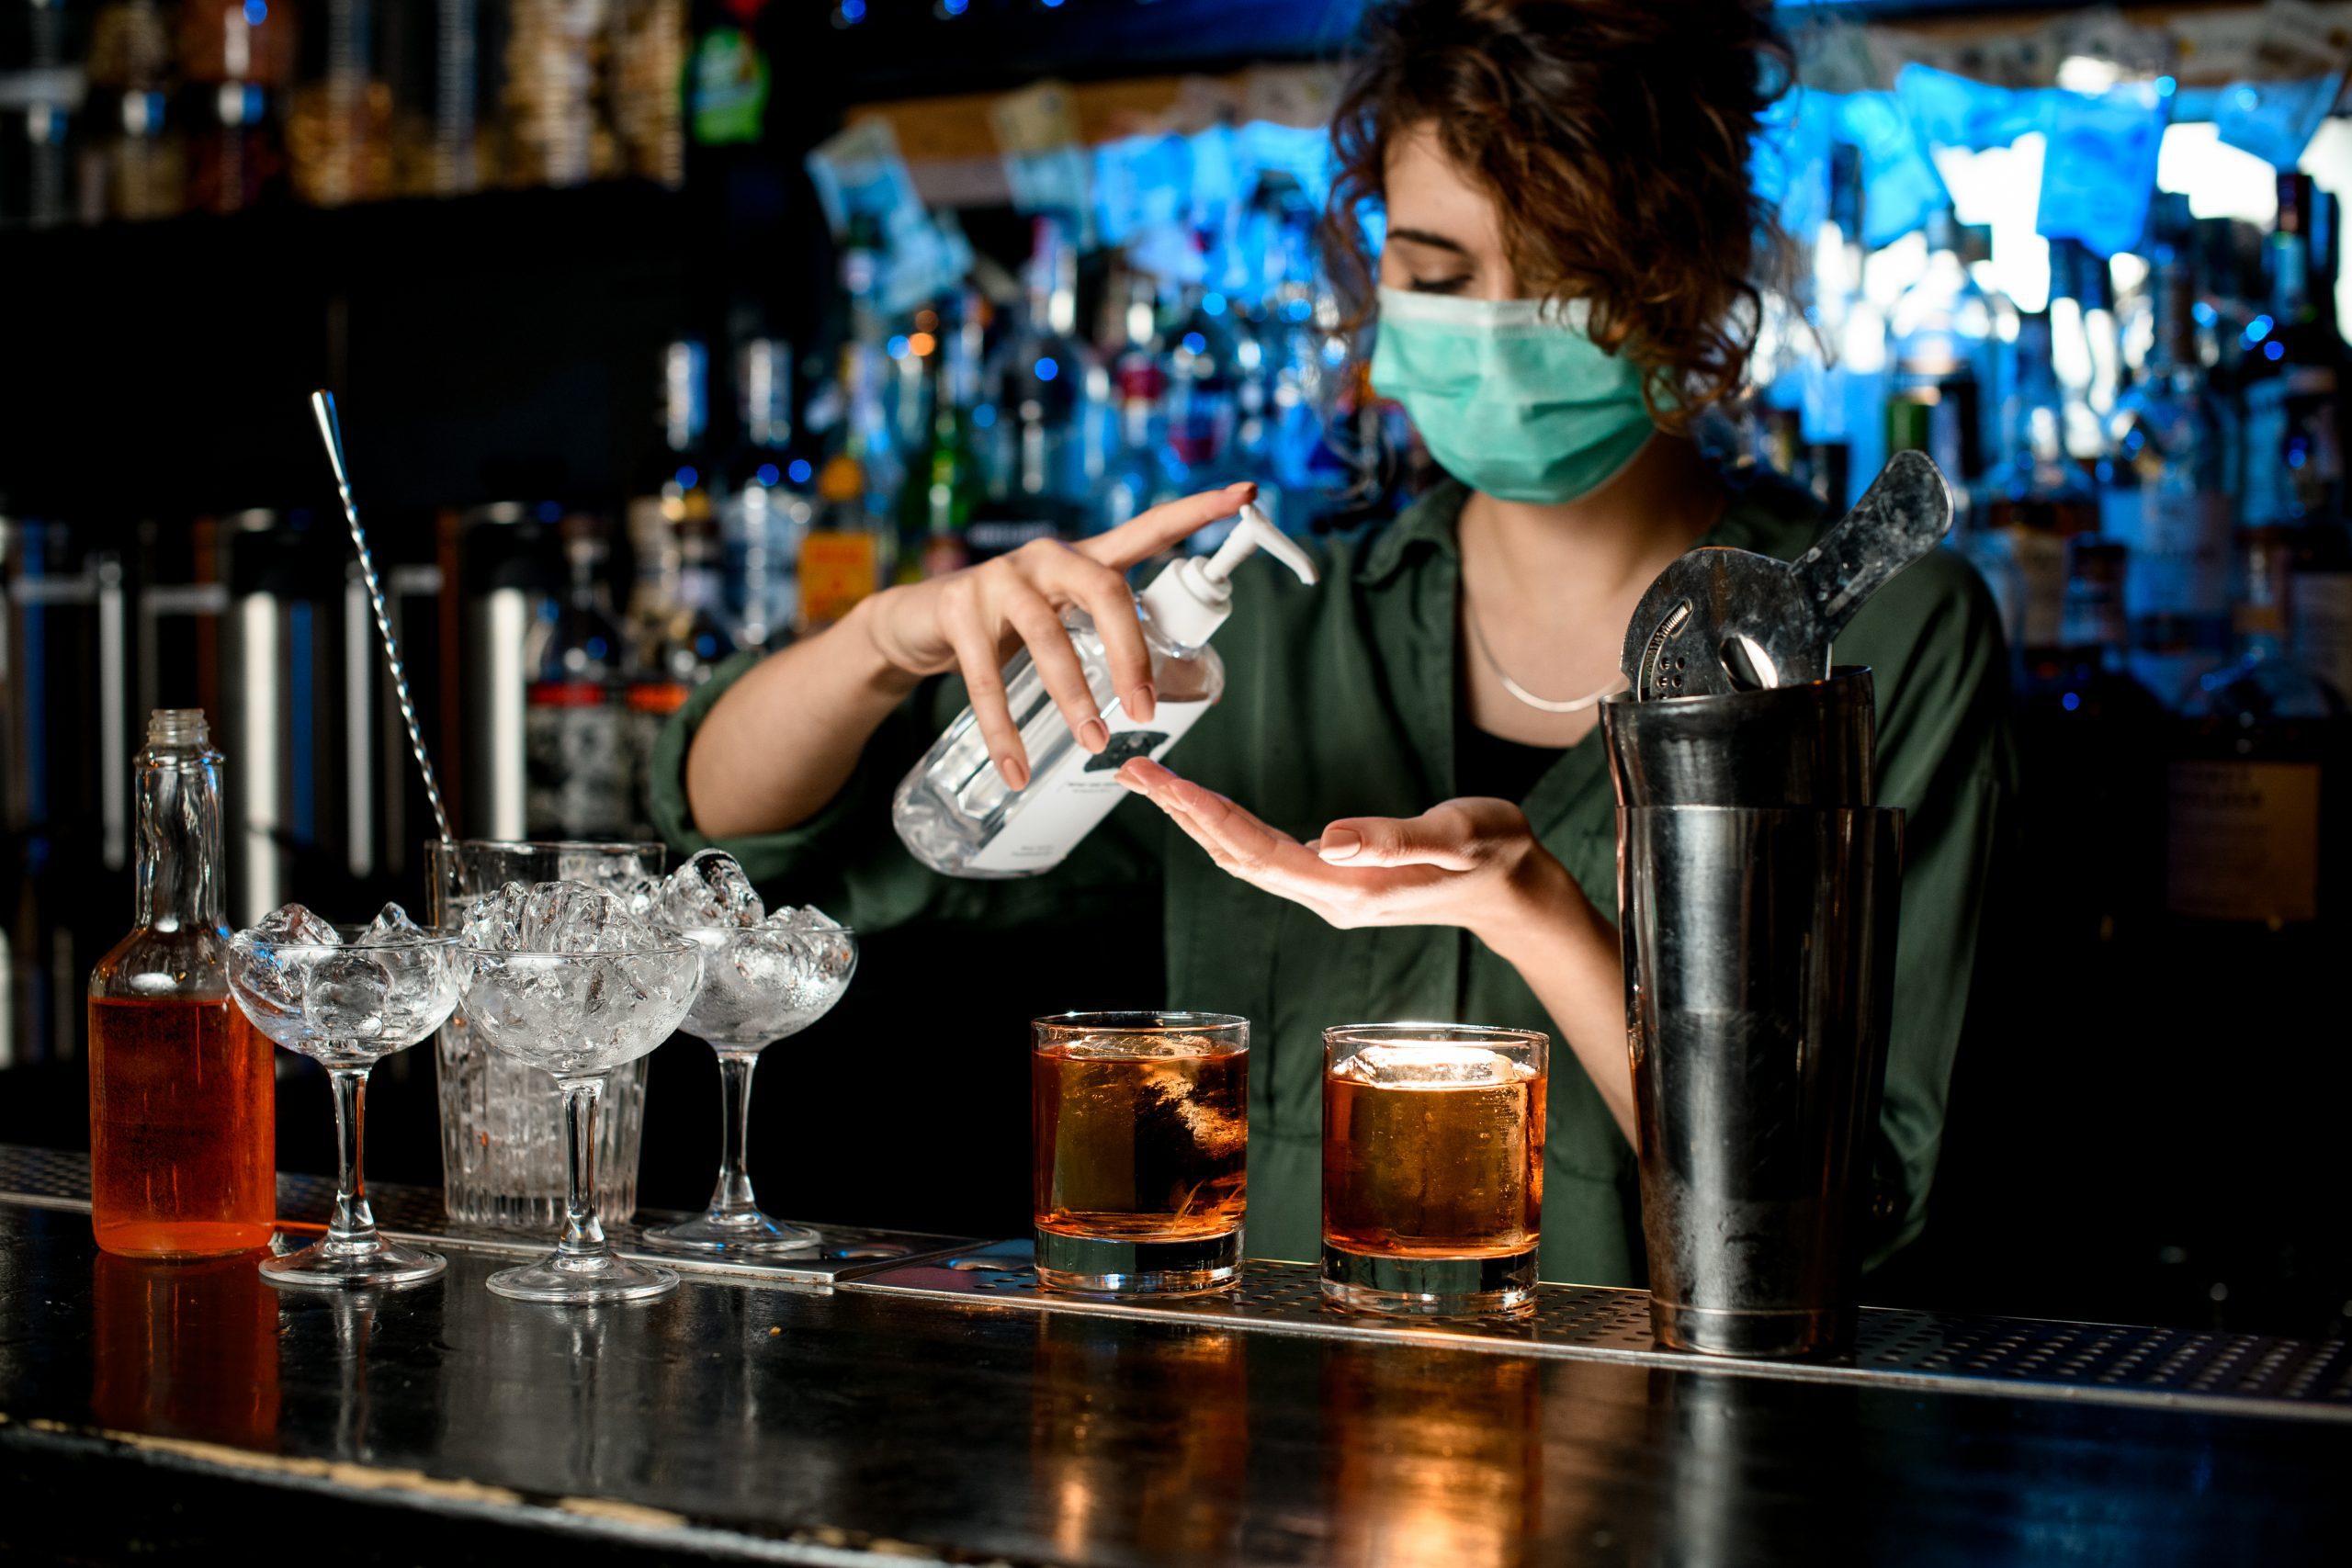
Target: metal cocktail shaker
1758	888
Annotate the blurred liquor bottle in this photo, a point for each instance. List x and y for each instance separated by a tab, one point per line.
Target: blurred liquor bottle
1938	330
555	60
45	87
339	136
2167	497
1036	382
1135	477
433	59
2260	753
2089	730
767	506
2036	497
648	72
135	162
237	61
942	483
577	745
672	504
1203	398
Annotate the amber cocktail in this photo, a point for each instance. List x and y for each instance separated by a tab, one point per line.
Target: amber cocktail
1432	1167
1140	1159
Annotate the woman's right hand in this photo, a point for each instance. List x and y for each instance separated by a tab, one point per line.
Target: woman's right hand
973	620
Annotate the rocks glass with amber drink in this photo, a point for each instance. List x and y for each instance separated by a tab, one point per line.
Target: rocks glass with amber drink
1140	1160
1432	1167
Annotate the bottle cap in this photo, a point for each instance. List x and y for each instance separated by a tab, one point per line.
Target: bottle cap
1191	598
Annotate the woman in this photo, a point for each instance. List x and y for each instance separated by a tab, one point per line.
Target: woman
1402	799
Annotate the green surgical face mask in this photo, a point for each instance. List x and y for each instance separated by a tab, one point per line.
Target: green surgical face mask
1510	395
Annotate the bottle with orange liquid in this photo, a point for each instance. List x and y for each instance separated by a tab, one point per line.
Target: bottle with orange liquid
183	1105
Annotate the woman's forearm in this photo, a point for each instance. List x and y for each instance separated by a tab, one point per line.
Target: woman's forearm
1567	954
785	737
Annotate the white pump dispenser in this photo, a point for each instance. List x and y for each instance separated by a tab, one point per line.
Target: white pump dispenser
953	809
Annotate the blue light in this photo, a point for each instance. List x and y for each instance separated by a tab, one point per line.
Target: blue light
985	415
1213	303
2203	313
897	346
2166	86
954	7
2071	701
1051	5
256	12
2297	456
768	474
2258	328
1046	369
800	471
2274	350
1195	344
852	11
688	479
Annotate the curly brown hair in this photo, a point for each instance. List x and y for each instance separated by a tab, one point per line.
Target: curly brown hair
1613	136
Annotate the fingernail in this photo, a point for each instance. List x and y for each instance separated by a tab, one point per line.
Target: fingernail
1093	735
1144	703
1012	771
1340	843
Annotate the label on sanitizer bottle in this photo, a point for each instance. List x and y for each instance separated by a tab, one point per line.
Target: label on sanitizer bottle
1069	799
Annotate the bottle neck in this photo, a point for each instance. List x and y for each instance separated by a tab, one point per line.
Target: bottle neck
2259	618
2174	346
587	580
179	839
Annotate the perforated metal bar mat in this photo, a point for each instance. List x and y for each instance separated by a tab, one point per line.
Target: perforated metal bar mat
2251	1373
50	1179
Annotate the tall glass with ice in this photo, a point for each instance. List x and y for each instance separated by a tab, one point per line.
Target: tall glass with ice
1140	1123
501	1122
1432	1167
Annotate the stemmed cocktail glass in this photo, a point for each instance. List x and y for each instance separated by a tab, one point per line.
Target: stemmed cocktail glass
345	996
560	976
762	981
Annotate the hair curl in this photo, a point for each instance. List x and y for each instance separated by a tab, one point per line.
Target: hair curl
1613	136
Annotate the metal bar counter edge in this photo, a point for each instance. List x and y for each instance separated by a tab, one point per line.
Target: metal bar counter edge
901	1398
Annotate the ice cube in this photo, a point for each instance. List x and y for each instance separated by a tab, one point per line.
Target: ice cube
644	896
711	890
270	977
494	921
825	940
1129	1048
556	917
392	926
293	924
344	996
1428	1066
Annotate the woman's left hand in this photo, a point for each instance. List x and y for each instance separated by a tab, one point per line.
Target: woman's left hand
1472	862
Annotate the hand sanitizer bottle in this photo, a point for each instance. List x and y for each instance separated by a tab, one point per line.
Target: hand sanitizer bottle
954	810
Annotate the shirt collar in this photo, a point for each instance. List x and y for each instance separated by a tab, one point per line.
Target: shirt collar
1428	524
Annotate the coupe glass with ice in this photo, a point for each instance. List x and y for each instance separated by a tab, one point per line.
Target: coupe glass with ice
560	976
501	1121
345	996
1140	1169
1432	1167
764	976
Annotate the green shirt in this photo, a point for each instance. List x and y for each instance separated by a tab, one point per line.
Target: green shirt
1340	699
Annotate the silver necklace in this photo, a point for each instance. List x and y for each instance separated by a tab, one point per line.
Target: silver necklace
1541	704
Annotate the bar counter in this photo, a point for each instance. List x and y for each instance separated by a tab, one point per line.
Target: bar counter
924	1405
